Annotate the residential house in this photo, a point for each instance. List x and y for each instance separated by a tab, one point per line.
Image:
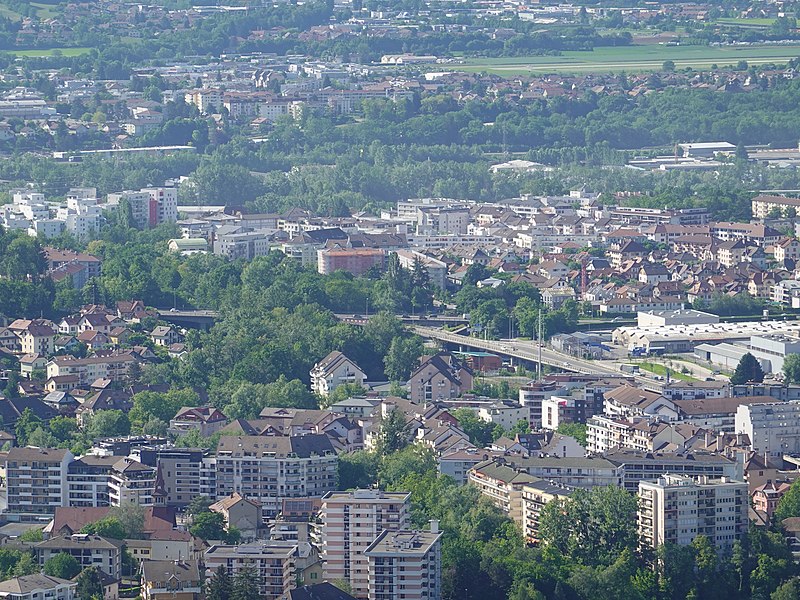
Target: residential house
206	420
335	370
88	550
165	336
37	587
439	377
171	580
242	513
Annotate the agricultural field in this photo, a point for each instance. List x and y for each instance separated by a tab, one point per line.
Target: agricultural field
50	52
634	59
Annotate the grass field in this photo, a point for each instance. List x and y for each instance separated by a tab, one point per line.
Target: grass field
49	52
633	59
745	22
659	369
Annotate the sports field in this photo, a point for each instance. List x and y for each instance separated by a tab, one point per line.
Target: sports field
633	59
49	52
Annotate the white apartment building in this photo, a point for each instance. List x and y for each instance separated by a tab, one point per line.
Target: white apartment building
351	521
406	564
131	482
36	482
87	480
773	428
676	509
114	367
269	469
149	207
37	587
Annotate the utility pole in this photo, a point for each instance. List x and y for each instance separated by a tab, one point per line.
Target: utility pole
539	338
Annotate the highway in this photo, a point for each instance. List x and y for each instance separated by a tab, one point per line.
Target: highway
529	351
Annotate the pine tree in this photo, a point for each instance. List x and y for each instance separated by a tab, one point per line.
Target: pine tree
219	586
245	584
748	370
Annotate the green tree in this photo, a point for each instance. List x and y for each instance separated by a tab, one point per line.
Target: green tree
108	423
787	591
62	565
219	586
591	527
576	430
480	432
90	583
748	370
198	505
26	565
211	526
109	527
245	584
791	368
26	425
131	516
393	434
357	470
32	535
789	504
12	385
402	357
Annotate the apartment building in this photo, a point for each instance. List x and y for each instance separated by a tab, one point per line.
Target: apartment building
274	561
535	496
131	482
405	564
87	480
584	472
676	509
35	337
716	414
36	482
502	485
113	366
335	370
351	521
37	587
88	550
763	205
353	260
636	465
271	468
148	207
184	473
773	428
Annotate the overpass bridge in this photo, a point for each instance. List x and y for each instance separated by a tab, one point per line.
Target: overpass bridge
523	351
528	352
194	319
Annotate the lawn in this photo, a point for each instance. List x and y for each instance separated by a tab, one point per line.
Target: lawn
50	51
633	58
659	369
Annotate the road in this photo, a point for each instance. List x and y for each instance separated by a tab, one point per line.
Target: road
529	351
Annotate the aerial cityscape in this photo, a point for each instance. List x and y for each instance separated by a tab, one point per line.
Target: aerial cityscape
399	300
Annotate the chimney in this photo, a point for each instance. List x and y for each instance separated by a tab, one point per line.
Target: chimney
434	525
